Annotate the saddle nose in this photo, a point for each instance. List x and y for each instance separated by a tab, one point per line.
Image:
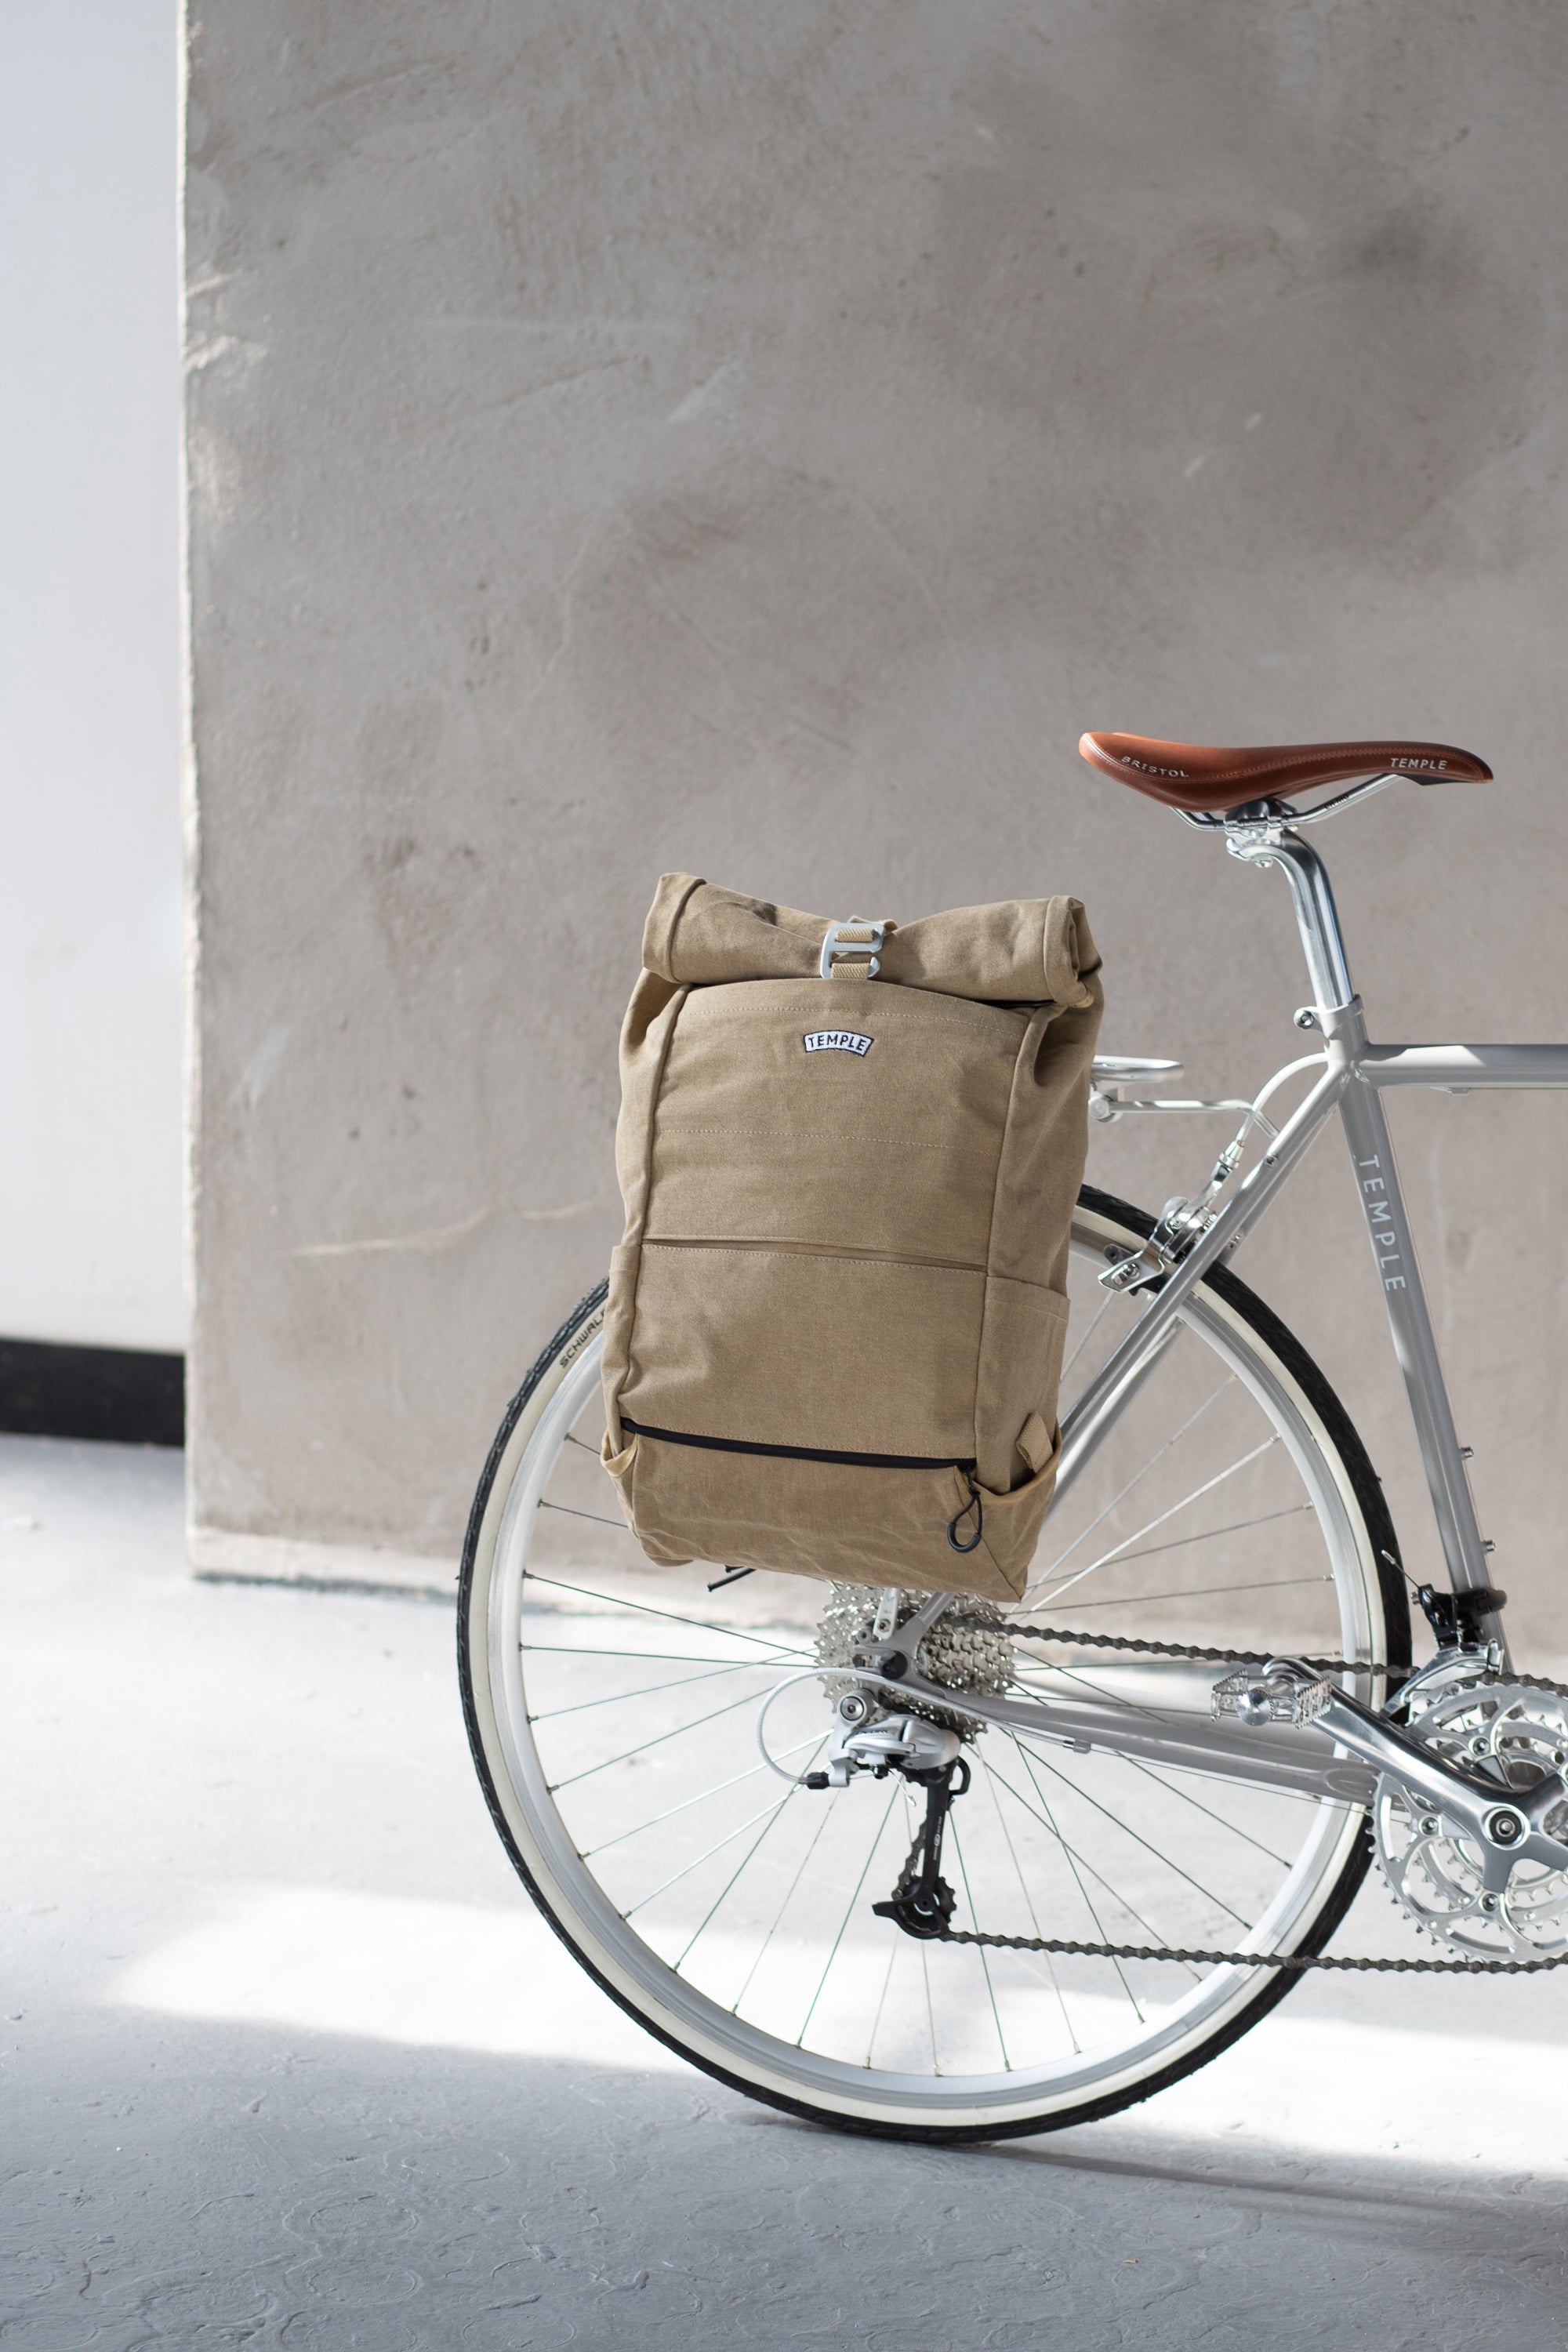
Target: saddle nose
1218	778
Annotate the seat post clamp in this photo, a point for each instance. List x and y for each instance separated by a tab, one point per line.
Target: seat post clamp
859	942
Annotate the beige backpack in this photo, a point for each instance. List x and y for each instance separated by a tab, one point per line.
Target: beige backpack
848	1154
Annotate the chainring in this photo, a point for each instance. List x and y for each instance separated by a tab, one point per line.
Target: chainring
1517	1734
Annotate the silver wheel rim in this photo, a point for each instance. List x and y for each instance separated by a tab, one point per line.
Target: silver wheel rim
727	2044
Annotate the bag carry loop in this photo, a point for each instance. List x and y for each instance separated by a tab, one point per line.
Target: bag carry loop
958	1518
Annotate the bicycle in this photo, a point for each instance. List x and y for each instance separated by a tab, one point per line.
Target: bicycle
913	1865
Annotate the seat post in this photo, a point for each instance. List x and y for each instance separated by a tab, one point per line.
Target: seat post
1317	917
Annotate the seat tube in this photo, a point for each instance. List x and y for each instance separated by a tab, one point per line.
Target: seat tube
1414	1343
1338	1014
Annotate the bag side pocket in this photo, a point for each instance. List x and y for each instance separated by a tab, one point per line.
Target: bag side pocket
622	1463
1010	1534
617	1361
1019	1372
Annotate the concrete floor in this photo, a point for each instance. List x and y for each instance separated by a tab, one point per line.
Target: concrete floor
290	2061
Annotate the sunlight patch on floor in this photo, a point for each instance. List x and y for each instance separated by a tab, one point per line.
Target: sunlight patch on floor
446	1976
460	1977
1317	2086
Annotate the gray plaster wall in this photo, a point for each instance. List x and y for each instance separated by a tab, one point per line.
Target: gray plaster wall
757	440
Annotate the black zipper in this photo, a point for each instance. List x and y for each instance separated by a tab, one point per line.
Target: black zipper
802	1453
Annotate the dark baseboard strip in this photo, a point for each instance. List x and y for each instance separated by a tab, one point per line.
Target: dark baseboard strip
447	1593
127	1396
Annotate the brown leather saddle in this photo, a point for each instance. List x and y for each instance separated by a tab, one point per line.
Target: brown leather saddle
1210	776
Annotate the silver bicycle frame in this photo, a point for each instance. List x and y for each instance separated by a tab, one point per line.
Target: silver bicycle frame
1354	1078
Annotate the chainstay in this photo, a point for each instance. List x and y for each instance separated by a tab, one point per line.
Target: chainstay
1295	1961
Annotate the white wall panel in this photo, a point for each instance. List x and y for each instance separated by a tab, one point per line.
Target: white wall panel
89	684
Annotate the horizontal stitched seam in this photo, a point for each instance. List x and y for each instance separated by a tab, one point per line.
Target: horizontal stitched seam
801	1452
668	1126
815	1249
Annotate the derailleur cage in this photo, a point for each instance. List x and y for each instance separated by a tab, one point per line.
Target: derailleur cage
923	1902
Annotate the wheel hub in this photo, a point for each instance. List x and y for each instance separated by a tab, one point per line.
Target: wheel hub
974	1655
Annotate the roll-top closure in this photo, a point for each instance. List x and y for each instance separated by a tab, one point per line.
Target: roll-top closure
1020	950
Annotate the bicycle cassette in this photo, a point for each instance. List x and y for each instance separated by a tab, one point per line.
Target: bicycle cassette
1520	1736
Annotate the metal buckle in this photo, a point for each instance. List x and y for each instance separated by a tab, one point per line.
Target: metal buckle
854	938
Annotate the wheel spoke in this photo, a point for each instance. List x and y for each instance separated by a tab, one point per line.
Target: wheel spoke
1196	1885
725	1890
1076	1858
1029	1898
1123	1492
848	1914
569	1512
678	1731
1187	1798
650	1690
702	1797
984	1955
826	1815
1096	1320
674	1617
656	1657
769	1814
881	2004
1112	1698
1212	1535
1206	1591
1073	1859
1150	1525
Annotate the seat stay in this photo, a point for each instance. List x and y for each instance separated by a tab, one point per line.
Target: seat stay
1107	1394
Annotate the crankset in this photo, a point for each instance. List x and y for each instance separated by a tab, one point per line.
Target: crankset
1491	1907
1503	1819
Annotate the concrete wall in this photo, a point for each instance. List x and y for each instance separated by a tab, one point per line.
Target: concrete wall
758	440
91	1246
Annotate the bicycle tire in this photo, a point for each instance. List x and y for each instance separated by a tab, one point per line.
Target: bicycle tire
530	1829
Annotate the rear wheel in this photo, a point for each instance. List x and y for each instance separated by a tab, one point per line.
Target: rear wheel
613	1712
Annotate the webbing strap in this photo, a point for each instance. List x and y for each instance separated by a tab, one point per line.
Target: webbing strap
838	956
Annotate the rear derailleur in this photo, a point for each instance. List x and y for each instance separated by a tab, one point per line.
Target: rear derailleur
928	1755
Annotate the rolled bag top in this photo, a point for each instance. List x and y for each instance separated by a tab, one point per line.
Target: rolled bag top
1018	952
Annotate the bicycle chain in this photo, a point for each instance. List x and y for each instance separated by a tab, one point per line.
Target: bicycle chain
1225	1657
1300	1961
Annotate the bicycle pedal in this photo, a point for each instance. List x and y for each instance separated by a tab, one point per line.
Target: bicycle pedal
1256	1697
